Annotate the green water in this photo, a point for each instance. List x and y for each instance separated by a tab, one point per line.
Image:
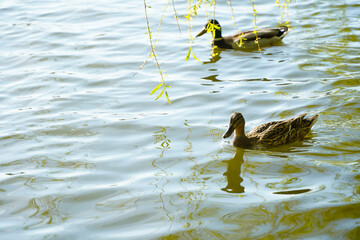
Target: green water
87	153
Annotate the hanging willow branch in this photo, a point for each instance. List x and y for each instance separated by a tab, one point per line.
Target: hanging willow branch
153	54
284	6
233	15
176	16
192	12
255	26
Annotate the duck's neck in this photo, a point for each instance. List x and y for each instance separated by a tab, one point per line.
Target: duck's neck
240	139
223	43
217	34
240	130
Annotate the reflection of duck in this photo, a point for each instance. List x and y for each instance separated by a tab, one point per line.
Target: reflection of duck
233	173
244	40
269	134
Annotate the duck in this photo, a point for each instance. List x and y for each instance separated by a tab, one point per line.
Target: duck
269	134
246	39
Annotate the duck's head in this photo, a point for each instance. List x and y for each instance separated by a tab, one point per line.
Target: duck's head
211	26
237	122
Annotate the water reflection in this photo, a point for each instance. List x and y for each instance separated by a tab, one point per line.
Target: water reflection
299	191
290	220
212	78
337	56
161	177
45	210
283	214
101	167
180	208
215	55
160	138
162	143
233	173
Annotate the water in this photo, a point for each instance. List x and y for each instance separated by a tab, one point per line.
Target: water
87	153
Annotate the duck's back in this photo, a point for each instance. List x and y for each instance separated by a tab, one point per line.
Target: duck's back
283	132
265	37
261	129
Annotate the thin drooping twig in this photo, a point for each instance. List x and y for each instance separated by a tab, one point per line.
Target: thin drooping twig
255	26
176	17
156	34
162	82
232	15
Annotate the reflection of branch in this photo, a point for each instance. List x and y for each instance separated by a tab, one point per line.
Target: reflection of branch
160	136
161	177
46	210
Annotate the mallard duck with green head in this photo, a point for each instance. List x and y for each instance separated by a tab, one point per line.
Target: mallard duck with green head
269	134
244	40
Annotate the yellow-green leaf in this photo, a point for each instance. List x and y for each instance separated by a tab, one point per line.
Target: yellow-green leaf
156	88
162	92
195	57
167	97
188	54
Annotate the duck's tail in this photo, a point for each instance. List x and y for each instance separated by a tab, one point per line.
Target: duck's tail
306	125
311	120
303	123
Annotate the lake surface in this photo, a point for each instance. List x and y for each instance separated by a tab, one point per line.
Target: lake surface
88	153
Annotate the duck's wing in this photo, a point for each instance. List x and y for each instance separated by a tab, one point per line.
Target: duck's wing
246	36
266	33
256	131
283	132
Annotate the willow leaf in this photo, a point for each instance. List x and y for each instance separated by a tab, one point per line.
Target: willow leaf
162	92
156	88
188	54
195	57
167	97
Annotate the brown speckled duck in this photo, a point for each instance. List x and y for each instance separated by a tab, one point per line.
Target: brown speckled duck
244	40
269	134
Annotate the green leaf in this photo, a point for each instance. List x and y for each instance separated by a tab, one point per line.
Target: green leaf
162	92
167	97
156	88
188	54
195	57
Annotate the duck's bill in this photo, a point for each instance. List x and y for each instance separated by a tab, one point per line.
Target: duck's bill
201	33
228	132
